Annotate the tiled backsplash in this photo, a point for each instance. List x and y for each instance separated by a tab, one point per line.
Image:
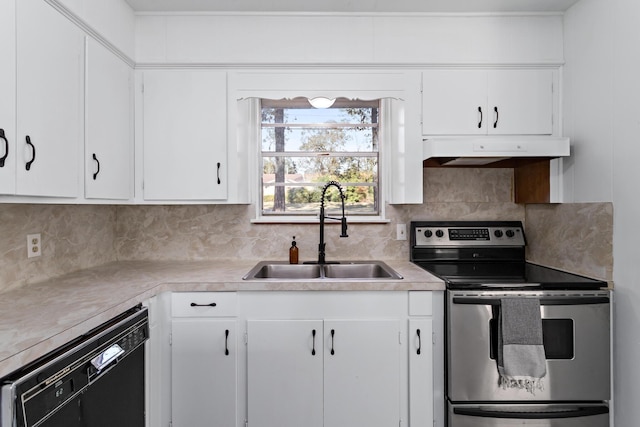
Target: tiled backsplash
576	237
73	237
573	237
215	231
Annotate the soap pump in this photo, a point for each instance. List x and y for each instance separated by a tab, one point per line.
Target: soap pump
293	252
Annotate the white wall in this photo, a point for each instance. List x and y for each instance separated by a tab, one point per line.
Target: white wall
347	39
602	113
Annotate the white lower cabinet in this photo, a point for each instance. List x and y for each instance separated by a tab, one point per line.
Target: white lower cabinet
285	373
204	360
323	373
301	358
420	372
362	373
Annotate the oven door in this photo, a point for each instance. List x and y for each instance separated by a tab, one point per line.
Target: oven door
576	335
555	415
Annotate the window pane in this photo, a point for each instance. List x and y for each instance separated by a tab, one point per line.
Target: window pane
363	139
304	147
320	169
305	200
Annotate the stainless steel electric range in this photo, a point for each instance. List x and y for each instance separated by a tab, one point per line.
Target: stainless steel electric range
483	263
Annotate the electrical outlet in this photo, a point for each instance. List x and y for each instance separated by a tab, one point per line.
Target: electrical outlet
34	245
401	232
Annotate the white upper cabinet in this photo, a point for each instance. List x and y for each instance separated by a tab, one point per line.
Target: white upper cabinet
185	137
108	125
7	98
488	102
49	101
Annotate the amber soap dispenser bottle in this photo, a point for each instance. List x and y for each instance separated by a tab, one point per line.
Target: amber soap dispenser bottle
293	252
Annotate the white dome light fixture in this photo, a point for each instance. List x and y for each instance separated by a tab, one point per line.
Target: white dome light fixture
321	102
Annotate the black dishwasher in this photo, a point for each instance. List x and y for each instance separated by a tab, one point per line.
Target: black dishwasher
96	380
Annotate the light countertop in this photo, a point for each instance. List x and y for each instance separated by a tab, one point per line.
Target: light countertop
38	318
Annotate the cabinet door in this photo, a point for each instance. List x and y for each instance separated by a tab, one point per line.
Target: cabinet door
420	372
521	102
203	372
108	125
49	101
285	373
454	102
362	365
185	135
7	98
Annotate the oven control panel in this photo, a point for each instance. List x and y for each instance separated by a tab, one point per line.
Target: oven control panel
438	235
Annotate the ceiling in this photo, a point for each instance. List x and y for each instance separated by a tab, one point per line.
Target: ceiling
356	6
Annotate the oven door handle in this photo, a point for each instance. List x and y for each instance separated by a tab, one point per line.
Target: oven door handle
578	411
581	300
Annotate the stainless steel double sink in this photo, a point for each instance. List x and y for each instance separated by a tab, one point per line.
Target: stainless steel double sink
363	270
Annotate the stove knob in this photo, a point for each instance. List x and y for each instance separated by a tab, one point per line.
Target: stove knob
498	233
428	233
439	233
510	233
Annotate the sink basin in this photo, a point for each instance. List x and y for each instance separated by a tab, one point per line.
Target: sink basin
272	270
360	270
363	270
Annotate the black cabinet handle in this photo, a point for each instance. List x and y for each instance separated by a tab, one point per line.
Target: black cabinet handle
313	350
480	122
495	124
213	304
95	175
332	334
218	173
6	148
226	342
419	341
33	157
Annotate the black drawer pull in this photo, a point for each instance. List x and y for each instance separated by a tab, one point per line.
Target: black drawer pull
495	124
419	341
213	304
226	342
218	173
480	122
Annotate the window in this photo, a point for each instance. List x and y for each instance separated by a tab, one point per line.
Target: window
303	148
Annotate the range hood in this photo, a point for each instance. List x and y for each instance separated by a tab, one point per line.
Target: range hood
472	151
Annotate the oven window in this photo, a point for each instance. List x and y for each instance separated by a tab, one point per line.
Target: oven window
557	337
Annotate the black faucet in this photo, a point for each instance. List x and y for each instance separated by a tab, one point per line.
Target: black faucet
321	253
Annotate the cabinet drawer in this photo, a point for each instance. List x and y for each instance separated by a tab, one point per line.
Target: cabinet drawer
420	303
203	304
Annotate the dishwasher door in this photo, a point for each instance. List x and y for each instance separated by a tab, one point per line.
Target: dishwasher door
96	380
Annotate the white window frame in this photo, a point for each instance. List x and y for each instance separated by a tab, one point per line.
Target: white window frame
400	158
379	217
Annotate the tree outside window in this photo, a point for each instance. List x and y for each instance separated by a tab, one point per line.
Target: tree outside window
303	148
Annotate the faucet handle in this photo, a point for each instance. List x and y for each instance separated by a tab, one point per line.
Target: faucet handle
344	227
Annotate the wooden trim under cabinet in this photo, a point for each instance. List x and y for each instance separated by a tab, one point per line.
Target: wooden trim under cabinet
531	181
